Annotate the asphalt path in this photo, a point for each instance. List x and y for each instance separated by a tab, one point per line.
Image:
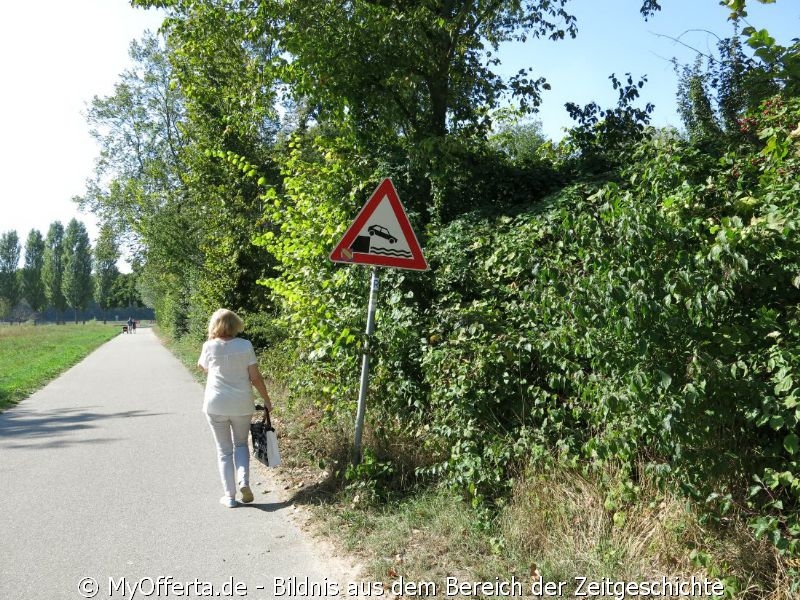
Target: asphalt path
108	480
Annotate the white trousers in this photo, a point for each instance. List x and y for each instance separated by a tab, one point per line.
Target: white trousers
233	452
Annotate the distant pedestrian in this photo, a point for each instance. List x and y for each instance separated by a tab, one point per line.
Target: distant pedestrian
232	369
130	324
134	326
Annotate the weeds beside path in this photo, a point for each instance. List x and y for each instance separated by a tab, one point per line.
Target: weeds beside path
30	356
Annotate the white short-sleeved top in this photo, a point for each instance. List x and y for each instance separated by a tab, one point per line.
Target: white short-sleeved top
228	388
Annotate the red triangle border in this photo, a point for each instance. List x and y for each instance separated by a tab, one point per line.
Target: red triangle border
342	250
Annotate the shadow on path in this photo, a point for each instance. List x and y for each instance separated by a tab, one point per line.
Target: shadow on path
32	425
267	506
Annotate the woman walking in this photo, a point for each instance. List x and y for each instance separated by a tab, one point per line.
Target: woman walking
231	368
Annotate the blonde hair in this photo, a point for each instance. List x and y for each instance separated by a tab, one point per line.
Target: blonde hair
224	323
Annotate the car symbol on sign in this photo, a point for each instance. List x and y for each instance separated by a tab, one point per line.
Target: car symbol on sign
381	231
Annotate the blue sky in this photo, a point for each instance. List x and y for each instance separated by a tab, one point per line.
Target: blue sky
56	55
614	38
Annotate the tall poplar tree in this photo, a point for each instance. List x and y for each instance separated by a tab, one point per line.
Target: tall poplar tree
106	254
77	285
9	280
53	271
33	289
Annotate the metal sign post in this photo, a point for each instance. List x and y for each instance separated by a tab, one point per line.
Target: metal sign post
364	386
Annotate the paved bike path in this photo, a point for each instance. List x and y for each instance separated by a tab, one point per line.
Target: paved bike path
109	472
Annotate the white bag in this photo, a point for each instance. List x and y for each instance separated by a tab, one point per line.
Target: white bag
273	454
265	442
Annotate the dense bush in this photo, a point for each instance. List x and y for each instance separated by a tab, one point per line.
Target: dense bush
656	319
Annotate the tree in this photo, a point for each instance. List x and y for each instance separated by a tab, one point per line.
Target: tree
520	140
106	254
160	180
431	76
137	129
77	285
9	279
124	293
603	138
139	185
230	99
720	92
431	72
53	270
33	288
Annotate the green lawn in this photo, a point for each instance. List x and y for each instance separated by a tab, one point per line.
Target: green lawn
30	356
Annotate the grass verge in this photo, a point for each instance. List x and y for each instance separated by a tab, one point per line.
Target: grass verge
557	526
30	356
185	350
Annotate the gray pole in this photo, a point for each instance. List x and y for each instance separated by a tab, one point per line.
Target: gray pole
363	388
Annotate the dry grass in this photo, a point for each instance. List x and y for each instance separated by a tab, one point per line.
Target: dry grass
560	521
557	524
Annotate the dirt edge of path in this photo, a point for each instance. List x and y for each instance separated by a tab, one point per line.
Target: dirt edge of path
342	566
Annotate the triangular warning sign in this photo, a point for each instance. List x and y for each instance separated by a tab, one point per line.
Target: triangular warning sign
381	235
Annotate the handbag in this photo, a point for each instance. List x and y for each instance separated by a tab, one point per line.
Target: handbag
265	442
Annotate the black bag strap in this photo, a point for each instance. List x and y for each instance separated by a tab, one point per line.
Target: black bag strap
265	420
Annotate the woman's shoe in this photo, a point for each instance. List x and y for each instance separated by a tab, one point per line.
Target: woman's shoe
247	494
228	502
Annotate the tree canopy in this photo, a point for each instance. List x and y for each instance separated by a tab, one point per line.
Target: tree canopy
53	269
106	254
